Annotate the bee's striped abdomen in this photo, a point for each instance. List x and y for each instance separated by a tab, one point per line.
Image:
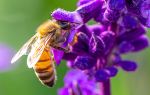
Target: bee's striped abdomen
45	69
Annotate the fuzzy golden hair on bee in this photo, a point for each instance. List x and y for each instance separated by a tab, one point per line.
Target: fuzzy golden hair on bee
47	27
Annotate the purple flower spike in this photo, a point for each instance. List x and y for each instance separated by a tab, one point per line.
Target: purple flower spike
128	65
121	27
63	15
84	62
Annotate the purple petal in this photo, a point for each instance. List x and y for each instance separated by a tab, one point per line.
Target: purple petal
97	45
116	4
97	29
116	58
101	75
69	56
111	15
135	45
63	15
140	43
58	54
128	65
112	71
129	22
88	10
108	38
132	34
81	46
84	62
101	18
125	47
84	28
81	2
71	36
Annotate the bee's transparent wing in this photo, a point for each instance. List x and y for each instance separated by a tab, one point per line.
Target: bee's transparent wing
37	50
25	49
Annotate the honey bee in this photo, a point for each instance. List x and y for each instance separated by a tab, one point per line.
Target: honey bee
50	34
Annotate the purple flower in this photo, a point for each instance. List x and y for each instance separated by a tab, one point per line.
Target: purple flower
120	28
6	54
77	83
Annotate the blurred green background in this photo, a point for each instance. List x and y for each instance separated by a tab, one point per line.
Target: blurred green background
18	22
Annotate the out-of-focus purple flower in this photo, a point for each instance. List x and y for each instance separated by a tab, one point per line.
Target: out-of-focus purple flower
6	54
77	83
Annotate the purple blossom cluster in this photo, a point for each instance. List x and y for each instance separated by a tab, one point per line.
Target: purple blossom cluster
79	85
120	28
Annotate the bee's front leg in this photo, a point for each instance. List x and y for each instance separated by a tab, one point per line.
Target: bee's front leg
66	49
60	40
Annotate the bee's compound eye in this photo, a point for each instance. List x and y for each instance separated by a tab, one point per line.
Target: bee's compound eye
64	25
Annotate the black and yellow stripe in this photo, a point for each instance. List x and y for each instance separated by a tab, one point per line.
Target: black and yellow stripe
45	69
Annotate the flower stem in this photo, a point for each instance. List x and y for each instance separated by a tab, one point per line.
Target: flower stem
105	87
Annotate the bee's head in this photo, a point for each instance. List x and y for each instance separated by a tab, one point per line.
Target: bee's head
64	25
